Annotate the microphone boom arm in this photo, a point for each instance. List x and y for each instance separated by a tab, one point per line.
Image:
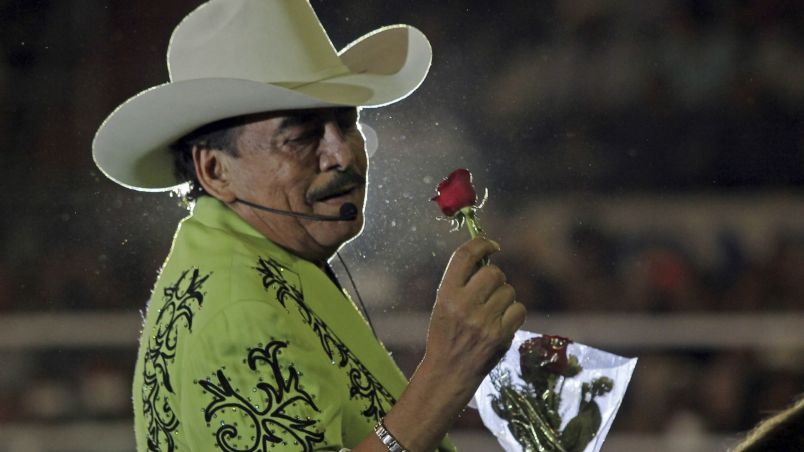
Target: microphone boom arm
348	212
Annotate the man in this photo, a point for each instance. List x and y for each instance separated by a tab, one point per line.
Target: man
249	343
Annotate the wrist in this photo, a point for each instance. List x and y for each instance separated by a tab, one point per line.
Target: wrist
450	381
428	407
387	438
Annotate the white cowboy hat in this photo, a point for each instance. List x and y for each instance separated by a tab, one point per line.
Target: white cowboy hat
235	57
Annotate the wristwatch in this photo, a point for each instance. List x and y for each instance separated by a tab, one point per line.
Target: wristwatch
387	438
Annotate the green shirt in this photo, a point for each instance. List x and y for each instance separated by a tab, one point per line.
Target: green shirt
247	347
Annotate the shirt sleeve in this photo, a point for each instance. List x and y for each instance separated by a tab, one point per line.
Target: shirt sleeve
251	381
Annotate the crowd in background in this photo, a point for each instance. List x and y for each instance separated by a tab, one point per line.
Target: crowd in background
539	99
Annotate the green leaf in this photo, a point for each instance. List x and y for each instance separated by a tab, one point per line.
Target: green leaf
573	367
601	386
582	428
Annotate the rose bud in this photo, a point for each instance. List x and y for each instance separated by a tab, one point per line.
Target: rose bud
455	192
548	352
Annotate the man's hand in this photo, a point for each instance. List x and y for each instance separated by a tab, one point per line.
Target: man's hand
474	318
473	322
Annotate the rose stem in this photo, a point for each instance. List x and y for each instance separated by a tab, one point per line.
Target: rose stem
471	222
474	228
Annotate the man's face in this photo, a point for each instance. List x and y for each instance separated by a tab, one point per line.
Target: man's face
305	161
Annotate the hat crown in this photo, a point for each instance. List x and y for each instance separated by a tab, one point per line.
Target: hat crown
262	40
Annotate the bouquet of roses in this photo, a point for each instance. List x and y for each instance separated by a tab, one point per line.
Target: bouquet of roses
540	398
547	394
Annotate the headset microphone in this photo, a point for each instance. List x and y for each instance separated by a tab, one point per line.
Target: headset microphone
348	212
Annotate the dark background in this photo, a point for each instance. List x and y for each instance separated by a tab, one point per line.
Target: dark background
645	163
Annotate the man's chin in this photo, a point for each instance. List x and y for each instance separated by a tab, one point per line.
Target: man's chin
333	234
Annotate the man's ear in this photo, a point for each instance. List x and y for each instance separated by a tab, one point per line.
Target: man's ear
212	168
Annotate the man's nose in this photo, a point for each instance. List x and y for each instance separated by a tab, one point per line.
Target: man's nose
336	151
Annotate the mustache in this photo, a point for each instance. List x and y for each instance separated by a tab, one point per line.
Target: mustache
342	182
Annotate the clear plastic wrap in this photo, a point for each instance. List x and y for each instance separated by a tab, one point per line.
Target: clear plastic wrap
598	369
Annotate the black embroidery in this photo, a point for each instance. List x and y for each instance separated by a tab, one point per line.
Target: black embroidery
362	383
180	301
271	424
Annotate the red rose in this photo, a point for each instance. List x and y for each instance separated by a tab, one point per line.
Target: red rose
548	352
455	192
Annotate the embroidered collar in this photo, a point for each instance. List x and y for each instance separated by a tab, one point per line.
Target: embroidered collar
215	214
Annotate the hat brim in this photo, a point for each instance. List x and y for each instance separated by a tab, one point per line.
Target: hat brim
132	146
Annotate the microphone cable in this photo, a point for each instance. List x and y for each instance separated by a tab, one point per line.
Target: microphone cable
359	298
348	212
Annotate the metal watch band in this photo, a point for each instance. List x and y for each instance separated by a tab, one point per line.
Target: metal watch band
387	438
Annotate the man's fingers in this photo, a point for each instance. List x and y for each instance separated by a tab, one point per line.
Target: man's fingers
499	301
513	317
485	281
464	261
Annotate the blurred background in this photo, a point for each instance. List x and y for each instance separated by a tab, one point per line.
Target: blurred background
645	167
